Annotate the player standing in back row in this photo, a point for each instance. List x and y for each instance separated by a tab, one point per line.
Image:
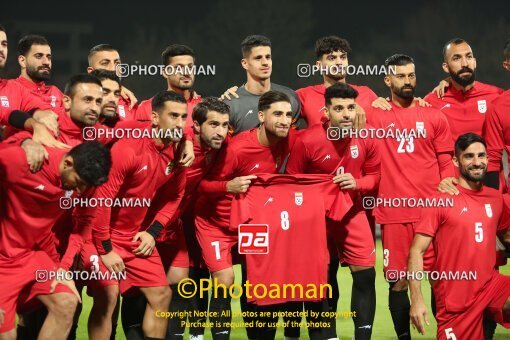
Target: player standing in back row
411	168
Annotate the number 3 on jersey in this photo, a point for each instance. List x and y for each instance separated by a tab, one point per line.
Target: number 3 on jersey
405	145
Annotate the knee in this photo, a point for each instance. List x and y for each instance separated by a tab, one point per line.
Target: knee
160	296
224	277
64	306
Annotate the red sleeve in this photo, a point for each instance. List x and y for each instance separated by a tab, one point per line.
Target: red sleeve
221	173
430	220
30	101
371	168
493	134
443	140
122	165
18	138
298	159
173	196
13	164
82	227
446	169
143	111
47	244
504	221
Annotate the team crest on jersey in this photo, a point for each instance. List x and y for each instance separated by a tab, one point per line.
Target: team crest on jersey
420	126
298	198
488	210
5	101
482	106
122	112
169	168
53	102
354	151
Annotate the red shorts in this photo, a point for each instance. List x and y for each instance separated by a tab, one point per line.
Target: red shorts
140	272
194	251
353	239
216	244
397	239
23	279
91	261
468	324
172	249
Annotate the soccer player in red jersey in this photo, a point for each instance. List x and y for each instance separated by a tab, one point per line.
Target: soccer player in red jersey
33	200
331	51
355	162
178	60
210	126
139	168
111	86
469	287
497	136
106	57
35	62
424	150
465	101
21	109
496	132
260	150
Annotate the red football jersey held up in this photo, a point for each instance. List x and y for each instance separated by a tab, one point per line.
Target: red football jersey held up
465	111
464	241
314	153
312	101
242	156
294	241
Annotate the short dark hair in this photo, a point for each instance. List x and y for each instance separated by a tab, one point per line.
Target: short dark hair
209	104
252	41
25	43
2	28
506	49
397	60
162	97
100	48
327	45
176	50
339	90
454	41
465	140
92	162
271	97
84	78
105	74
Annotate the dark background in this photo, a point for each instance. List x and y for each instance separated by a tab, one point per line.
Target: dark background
215	29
